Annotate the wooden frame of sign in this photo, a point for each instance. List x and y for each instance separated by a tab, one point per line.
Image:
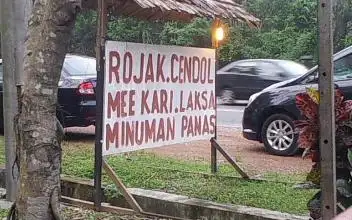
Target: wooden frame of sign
100	161
326	112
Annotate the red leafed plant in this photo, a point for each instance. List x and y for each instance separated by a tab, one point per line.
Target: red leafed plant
308	130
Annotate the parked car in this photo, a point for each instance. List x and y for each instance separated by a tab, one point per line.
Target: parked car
240	79
76	96
269	115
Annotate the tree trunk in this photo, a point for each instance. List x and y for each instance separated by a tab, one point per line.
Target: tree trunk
38	138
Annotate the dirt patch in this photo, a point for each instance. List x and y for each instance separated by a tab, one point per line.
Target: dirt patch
251	155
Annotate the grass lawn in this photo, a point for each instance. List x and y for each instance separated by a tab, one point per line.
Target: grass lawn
146	170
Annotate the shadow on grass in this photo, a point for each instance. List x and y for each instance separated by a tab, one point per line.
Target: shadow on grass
74	136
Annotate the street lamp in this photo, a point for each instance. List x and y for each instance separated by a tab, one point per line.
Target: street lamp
218	35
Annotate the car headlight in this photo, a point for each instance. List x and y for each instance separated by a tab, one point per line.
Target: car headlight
253	97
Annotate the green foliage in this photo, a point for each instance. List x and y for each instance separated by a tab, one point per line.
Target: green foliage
196	33
2	150
83	41
149	171
233	49
289	31
111	191
342	22
3	213
347	41
132	30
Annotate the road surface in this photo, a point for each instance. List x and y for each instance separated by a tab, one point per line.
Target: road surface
227	116
230	116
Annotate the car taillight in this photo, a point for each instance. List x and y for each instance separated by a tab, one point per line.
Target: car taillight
86	88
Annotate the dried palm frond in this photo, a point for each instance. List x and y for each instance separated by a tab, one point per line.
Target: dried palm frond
181	10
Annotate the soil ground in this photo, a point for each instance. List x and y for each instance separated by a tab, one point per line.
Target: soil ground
249	154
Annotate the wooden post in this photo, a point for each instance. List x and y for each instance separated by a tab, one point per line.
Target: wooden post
326	110
14	19
213	151
9	94
213	160
129	198
100	51
215	145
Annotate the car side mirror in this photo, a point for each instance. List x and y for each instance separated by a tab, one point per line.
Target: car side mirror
315	80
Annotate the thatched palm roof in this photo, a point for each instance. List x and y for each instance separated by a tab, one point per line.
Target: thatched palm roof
182	10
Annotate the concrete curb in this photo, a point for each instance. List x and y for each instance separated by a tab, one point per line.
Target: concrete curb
190	208
169	204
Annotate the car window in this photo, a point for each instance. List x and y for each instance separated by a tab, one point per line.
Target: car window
78	66
343	68
243	68
293	68
342	71
269	69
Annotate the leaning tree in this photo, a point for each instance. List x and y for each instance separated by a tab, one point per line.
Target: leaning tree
37	131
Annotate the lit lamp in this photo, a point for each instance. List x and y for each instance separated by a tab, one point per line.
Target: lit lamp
219	34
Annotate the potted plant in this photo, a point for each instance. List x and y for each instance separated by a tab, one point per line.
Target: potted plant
308	130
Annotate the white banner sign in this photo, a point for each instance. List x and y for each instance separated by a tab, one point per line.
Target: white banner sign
156	96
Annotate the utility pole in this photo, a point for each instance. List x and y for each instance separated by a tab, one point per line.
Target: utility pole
14	19
327	110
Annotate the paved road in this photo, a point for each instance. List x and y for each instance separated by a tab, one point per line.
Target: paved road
230	116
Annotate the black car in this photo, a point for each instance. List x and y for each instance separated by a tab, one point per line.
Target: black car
269	115
240	79
76	96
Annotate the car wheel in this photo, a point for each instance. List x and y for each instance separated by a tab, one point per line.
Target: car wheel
227	96
278	135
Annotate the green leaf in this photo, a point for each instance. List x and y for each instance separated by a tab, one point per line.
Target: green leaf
349	155
344	188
